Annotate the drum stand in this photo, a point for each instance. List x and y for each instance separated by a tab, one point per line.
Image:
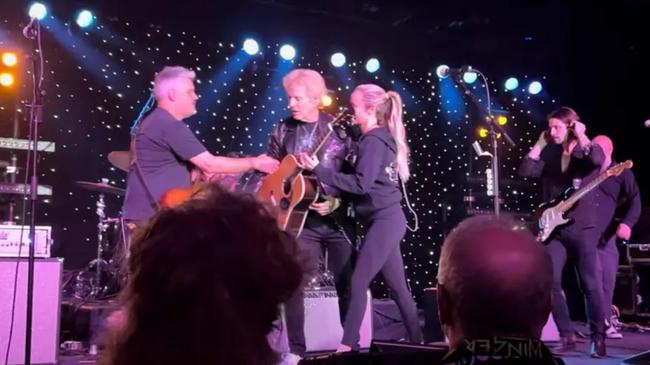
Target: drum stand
99	263
102	272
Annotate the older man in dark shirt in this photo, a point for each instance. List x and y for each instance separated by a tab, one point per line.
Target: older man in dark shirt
571	159
164	148
619	206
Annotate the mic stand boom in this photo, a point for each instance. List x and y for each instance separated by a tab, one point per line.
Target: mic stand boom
495	129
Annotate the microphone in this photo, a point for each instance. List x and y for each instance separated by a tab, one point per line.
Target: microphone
28	31
444	70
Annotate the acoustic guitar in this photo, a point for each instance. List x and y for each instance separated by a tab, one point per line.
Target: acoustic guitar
289	191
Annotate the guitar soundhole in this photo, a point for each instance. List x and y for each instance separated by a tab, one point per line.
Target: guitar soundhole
286	186
284	203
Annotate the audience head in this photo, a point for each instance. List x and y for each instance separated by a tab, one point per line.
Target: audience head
208	277
494	279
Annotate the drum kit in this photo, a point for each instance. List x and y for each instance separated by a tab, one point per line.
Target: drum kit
105	275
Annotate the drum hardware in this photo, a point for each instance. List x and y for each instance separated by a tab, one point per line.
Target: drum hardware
102	277
120	159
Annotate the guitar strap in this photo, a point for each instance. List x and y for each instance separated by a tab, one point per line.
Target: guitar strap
140	175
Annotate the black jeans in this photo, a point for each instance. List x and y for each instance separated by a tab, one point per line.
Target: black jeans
313	240
608	255
381	252
582	243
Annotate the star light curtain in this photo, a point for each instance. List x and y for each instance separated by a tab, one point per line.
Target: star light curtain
99	78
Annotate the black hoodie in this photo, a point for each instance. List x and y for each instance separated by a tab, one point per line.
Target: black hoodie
375	181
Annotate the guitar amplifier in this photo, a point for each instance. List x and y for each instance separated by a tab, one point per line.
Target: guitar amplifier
626	291
323	331
11	244
638	249
45	311
638	253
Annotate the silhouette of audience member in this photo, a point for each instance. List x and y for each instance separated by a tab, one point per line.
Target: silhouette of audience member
207	278
494	293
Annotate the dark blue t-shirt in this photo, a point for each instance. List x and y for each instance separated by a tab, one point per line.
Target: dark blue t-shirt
163	146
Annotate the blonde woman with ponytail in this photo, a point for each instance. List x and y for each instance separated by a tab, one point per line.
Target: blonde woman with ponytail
381	162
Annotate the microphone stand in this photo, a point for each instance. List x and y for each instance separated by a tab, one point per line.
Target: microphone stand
494	130
36	117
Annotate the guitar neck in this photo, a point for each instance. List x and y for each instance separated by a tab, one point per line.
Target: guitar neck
320	142
570	202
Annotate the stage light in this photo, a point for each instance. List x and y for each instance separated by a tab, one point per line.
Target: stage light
287	52
535	88
512	83
469	77
251	46
38	11
482	132
338	59
372	65
9	59
502	120
6	79
442	71
326	100
85	18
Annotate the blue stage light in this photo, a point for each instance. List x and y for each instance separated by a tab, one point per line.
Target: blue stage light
38	10
442	71
251	46
512	83
372	65
469	77
85	18
287	52
338	59
535	88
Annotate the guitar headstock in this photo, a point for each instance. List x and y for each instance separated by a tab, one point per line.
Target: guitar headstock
343	117
619	168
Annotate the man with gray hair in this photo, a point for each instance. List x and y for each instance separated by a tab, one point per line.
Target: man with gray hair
327	224
164	148
494	293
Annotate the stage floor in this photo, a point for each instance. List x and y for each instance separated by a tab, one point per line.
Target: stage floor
632	343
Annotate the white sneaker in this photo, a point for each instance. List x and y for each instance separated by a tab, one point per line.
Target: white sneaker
291	359
613	333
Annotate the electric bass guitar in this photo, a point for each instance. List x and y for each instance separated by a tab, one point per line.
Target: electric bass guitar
289	191
551	215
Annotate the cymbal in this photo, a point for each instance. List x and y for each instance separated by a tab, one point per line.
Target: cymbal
120	159
100	187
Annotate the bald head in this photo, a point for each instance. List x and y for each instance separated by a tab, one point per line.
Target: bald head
605	143
494	279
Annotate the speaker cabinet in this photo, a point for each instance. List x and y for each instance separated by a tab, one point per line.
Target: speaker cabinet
45	314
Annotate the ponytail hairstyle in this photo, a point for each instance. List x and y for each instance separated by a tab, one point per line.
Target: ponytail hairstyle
388	106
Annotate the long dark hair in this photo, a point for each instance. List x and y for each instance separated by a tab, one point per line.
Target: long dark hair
567	116
207	279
